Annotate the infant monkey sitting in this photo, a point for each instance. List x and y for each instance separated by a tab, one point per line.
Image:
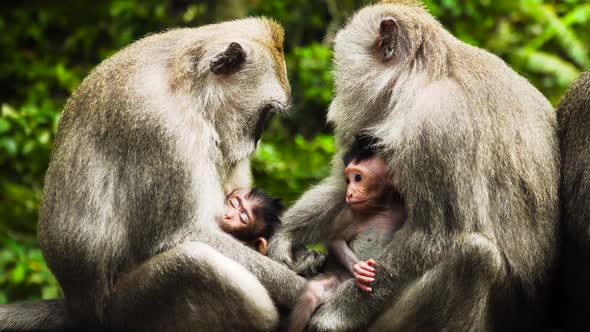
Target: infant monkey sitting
251	216
373	212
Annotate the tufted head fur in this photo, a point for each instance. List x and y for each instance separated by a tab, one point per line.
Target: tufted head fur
416	3
256	77
415	43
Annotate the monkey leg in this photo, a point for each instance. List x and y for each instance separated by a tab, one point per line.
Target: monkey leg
455	295
47	315
308	263
191	287
314	292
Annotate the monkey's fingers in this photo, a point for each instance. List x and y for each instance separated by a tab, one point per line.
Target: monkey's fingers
371	262
366	266
366	273
364	287
365	280
360	270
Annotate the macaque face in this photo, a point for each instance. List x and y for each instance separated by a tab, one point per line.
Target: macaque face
239	218
366	182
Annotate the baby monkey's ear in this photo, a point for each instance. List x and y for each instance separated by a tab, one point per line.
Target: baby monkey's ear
228	61
388	35
260	244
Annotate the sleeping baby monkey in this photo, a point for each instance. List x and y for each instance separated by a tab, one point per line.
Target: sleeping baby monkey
251	216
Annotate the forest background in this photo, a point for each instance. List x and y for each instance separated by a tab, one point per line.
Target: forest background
48	47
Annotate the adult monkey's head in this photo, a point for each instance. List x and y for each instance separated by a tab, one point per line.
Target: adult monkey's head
380	48
236	71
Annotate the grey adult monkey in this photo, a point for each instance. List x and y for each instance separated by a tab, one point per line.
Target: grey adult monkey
146	149
573	115
471	147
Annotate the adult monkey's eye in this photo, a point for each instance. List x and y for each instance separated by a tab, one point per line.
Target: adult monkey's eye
358	178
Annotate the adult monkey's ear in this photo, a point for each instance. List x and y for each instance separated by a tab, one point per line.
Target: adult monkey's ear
228	61
388	31
261	245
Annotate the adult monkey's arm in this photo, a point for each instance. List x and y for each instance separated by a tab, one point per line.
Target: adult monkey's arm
310	219
462	267
284	285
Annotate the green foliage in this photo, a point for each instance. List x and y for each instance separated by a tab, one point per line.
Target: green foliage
546	41
309	69
24	273
50	48
287	167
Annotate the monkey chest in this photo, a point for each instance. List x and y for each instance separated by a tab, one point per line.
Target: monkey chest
372	238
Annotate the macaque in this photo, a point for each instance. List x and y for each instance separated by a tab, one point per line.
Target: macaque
374	211
251	216
146	150
472	148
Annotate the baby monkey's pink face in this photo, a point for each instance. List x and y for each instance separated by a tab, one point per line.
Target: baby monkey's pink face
238	214
366	182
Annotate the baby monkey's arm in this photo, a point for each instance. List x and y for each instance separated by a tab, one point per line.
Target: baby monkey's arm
345	229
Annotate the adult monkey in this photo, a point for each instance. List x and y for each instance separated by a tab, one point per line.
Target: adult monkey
144	150
573	114
472	148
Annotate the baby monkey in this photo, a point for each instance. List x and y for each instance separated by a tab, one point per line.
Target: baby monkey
251	216
373	212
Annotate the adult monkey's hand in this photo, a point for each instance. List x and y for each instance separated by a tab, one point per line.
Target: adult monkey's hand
310	219
280	249
307	262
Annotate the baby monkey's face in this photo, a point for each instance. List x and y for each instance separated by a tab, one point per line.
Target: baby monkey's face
239	217
366	183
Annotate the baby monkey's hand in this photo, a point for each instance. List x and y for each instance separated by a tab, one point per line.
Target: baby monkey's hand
364	274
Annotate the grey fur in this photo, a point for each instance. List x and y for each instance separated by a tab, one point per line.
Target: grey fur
573	114
472	148
309	263
145	148
48	315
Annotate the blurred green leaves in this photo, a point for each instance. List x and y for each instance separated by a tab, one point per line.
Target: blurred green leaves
546	41
286	169
24	273
310	76
47	50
